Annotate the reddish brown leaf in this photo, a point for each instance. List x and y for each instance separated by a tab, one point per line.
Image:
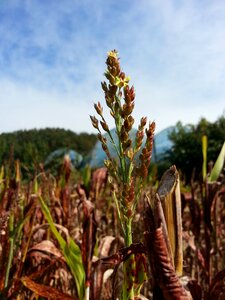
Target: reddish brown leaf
162	267
195	289
89	237
217	287
107	245
122	254
98	274
191	243
98	181
45	291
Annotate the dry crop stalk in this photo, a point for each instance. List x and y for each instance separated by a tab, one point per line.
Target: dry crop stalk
169	194
163	237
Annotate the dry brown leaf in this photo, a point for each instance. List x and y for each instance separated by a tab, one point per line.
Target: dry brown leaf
105	245
217	287
49	247
162	266
45	291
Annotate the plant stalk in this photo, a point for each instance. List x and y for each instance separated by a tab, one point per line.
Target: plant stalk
11	241
128	266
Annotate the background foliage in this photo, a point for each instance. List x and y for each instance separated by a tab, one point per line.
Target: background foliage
186	151
32	147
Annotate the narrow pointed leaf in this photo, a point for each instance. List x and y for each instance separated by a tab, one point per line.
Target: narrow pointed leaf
218	166
204	155
70	250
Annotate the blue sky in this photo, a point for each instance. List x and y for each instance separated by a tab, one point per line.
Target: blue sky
52	60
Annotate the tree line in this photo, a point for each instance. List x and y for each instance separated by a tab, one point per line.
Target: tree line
186	152
32	147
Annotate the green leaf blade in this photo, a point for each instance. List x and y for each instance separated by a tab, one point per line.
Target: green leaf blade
218	166
71	252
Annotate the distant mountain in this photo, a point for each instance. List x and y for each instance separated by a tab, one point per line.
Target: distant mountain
161	140
98	156
56	158
162	143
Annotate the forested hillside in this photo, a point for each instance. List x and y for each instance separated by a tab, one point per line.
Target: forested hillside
33	146
186	152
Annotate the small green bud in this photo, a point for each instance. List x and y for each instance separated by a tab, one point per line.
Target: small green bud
117	107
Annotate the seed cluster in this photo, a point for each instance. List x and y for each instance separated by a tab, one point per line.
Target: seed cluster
133	157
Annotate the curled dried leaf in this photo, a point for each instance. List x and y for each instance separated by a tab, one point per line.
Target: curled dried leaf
163	269
49	247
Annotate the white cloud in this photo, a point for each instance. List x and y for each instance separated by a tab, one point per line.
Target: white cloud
29	108
52	60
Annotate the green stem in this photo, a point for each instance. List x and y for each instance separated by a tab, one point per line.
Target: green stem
111	139
122	160
128	267
128	233
118	123
11	240
138	193
29	239
119	214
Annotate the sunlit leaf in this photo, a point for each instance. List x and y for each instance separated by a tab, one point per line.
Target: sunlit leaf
70	250
215	173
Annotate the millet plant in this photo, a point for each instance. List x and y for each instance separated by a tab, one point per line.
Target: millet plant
129	168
